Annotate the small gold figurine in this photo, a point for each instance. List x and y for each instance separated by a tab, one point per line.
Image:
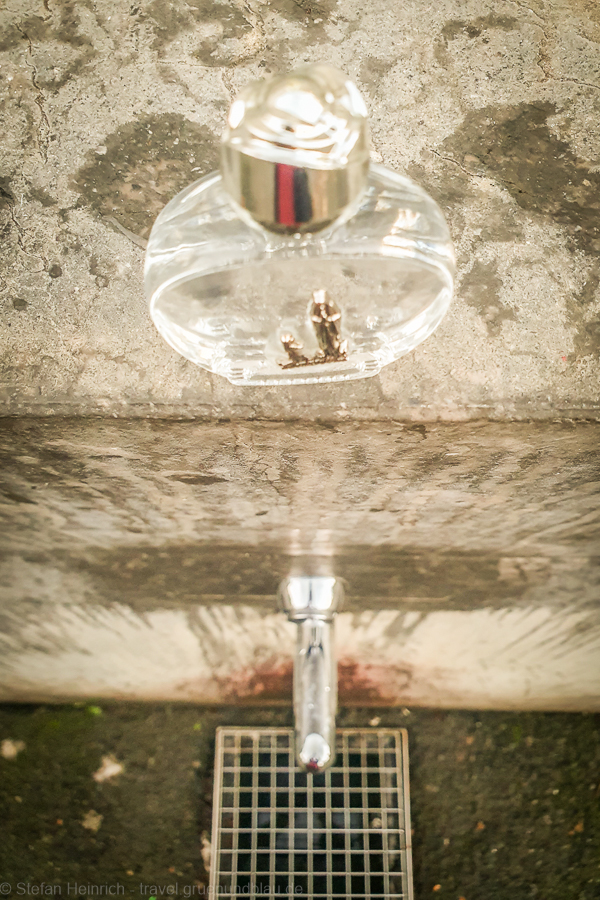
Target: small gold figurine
326	318
291	347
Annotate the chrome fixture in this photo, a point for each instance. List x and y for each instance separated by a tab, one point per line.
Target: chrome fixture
295	152
312	602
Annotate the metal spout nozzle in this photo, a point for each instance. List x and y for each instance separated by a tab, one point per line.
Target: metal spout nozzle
312	603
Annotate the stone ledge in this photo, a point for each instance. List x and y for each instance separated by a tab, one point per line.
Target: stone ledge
490	113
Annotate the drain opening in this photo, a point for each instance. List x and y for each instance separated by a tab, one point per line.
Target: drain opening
342	833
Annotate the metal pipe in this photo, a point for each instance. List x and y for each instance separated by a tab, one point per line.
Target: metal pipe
312	602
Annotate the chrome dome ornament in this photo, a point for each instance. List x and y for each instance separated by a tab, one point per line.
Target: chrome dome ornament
295	153
300	261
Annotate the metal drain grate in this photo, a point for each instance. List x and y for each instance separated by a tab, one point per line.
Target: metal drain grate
280	831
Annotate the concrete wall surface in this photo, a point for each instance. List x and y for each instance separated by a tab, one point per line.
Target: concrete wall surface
145	532
110	108
142	559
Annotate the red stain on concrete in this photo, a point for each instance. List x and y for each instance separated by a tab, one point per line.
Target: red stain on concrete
358	684
268	682
362	684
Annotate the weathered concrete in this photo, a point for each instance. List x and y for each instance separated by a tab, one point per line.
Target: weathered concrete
142	558
109	109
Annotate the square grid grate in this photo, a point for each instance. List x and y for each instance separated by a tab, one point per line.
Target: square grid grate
342	833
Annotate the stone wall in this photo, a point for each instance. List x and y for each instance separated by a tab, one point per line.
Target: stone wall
142	559
456	491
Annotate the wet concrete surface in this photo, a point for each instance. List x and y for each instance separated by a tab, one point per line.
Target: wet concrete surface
110	109
504	805
470	553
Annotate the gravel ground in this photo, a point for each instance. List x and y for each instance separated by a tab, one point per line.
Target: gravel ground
505	805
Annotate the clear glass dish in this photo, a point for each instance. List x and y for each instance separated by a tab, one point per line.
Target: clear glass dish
248	304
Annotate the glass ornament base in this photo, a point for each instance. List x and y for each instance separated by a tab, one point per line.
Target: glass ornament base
263	309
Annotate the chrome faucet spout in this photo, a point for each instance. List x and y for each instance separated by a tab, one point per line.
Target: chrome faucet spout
312	602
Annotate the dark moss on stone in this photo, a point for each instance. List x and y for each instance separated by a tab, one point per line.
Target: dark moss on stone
587	335
373	70
476	27
229	21
146	163
505	806
42	196
69	30
31	28
480	288
149	814
305	10
6	195
231	24
516	146
64	26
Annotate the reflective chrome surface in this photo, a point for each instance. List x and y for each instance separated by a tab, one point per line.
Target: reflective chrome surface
295	153
312	603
